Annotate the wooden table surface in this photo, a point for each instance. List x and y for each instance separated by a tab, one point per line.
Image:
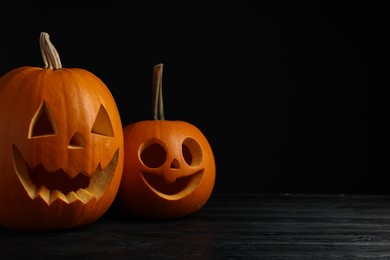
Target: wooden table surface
236	226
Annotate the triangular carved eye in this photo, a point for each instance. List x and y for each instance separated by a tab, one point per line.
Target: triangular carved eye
42	123
102	125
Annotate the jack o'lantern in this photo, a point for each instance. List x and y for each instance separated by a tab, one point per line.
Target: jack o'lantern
61	146
169	166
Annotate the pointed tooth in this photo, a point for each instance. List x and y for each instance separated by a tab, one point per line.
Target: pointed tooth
56	194
31	188
72	196
98	183
94	182
44	193
22	172
84	195
101	179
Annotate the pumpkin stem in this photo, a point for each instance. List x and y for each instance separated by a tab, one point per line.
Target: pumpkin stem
158	108
49	53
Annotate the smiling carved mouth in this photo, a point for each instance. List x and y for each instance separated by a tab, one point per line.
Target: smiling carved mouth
57	185
173	191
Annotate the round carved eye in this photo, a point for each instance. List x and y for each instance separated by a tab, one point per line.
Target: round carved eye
192	152
153	155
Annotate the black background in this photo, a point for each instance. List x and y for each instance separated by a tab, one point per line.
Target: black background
280	89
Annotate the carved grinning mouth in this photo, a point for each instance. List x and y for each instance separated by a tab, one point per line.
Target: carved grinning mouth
57	185
173	191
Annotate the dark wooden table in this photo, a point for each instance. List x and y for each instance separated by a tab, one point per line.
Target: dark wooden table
227	227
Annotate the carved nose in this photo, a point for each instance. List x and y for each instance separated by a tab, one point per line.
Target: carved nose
175	164
76	142
169	176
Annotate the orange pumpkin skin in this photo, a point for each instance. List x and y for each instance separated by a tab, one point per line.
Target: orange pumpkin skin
57	124
169	169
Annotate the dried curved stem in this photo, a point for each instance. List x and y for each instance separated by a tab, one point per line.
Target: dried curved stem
158	107
49	53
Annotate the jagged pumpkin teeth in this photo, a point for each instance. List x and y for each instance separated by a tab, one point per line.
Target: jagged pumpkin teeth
72	196
99	180
56	194
22	172
44	193
61	152
97	184
84	195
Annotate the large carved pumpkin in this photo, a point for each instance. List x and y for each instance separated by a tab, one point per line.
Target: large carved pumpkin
61	146
169	167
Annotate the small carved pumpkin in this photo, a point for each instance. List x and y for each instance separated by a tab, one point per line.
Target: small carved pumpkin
169	167
61	146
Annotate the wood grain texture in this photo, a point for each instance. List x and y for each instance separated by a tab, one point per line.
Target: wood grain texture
228	227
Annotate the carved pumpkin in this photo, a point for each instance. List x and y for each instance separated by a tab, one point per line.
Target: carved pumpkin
169	167
61	146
